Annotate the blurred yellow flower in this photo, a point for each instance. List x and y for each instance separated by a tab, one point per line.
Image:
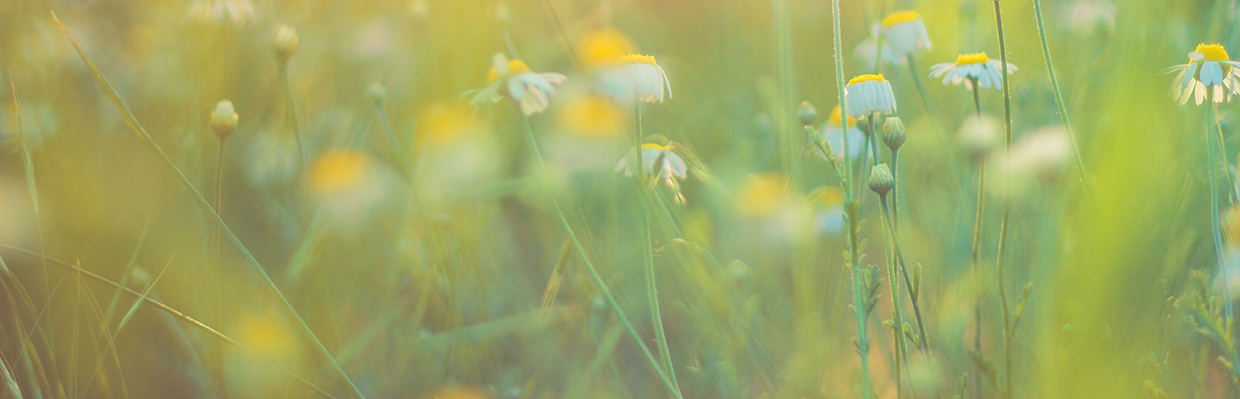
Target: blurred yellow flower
591	116
763	194
458	392
339	171
440	124
604	48
265	335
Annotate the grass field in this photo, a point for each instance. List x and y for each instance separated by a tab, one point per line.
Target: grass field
443	199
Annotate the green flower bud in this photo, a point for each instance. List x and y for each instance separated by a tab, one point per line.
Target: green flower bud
893	133
881	179
286	42
807	113
224	119
377	93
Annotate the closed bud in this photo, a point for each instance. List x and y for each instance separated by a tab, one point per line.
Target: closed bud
807	114
502	15
881	179
377	93
286	42
893	133
224	119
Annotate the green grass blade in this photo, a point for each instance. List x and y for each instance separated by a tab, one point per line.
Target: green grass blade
206	206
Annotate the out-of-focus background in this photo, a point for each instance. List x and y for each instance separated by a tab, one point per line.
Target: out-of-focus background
419	240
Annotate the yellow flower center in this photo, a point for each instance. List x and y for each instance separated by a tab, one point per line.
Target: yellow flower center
514	67
604	47
975	58
653	146
836	117
440	124
338	171
638	59
591	116
900	17
867	78
1212	52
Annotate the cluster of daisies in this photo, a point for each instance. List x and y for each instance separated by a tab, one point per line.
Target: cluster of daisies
619	75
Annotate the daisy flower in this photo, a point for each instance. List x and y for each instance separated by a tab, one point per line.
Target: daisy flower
833	133
869	94
530	90
828	204
234	14
604	48
638	77
655	157
970	69
867	50
1208	71
906	33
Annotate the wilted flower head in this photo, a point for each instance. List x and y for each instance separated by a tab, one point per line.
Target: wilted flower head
659	159
637	78
906	32
868	95
234	14
1208	72
530	90
972	68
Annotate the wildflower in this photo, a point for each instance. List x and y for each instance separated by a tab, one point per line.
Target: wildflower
639	77
979	134
655	157
530	90
881	180
286	42
455	154
1042	153
906	33
604	48
806	113
234	14
868	95
970	69
270	158
867	50
224	119
833	133
829	201
339	171
591	116
1208	71
893	133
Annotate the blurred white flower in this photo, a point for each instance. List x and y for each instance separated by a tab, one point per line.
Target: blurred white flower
828	203
270	159
979	134
236	14
348	185
663	159
530	90
906	33
1087	15
833	134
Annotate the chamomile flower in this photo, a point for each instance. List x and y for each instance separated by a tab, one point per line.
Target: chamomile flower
833	133
868	95
663	159
906	32
234	14
530	90
972	68
1208	71
638	77
604	48
828	204
867	50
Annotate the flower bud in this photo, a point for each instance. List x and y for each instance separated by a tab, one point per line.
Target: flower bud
807	113
881	179
224	119
377	93
502	15
893	133
286	42
499	63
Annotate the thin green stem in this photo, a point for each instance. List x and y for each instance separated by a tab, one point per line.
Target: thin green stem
851	207
598	279
899	256
286	76
217	251
643	195
1217	157
1063	108
977	253
1007	206
897	329
201	201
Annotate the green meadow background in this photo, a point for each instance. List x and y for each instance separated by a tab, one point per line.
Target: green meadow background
417	238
